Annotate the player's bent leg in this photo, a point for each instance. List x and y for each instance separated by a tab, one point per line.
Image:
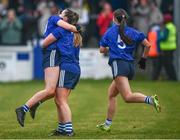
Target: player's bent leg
51	78
122	83
112	93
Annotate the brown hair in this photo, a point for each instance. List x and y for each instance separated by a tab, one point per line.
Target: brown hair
121	16
73	18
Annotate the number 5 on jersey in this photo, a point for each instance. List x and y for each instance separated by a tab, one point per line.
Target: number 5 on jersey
120	43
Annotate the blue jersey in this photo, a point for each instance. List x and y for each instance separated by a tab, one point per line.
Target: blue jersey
117	48
69	54
50	27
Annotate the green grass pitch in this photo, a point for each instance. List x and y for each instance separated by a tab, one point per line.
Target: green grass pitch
88	103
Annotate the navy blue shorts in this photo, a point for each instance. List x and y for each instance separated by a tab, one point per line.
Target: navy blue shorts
123	68
51	58
68	79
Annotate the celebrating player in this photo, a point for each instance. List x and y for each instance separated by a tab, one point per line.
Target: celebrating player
121	41
69	46
51	61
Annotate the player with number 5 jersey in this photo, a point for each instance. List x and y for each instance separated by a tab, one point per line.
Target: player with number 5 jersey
121	41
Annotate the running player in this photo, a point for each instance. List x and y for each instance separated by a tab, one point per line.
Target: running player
69	46
51	60
121	41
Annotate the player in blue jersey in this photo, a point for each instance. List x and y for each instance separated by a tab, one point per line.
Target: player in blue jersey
121	41
51	60
69	45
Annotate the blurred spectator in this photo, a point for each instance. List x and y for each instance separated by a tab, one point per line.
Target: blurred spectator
82	8
44	10
101	5
120	4
10	28
104	19
158	2
167	46
133	4
4	2
167	6
34	14
53	8
29	20
62	4
154	50
156	16
2	11
141	15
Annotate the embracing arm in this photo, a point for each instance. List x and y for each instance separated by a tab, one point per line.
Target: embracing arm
103	49
48	40
66	26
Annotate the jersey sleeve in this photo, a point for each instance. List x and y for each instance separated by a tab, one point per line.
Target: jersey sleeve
104	40
140	37
55	19
57	33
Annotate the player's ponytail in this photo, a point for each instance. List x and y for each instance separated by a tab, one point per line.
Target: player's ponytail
73	18
121	16
77	36
77	40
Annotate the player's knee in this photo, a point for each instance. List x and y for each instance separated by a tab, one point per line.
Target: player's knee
60	101
111	96
57	101
61	104
58	104
50	91
127	98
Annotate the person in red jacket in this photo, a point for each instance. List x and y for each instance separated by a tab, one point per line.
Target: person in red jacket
104	18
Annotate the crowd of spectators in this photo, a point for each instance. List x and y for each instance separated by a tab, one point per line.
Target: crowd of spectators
22	20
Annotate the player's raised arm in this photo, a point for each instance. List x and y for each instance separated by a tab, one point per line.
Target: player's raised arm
66	26
64	21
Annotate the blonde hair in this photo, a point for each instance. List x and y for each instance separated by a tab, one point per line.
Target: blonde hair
73	18
77	40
